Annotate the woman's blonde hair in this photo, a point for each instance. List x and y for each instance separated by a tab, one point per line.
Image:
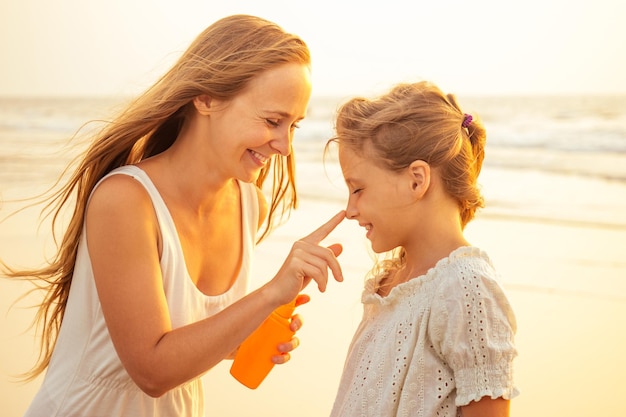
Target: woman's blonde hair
418	122
220	63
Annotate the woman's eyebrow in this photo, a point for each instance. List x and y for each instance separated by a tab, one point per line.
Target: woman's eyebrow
284	114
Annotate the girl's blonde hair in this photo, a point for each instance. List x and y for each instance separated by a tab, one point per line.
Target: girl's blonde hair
220	63
418	122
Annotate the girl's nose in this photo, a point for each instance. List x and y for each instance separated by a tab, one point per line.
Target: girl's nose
351	211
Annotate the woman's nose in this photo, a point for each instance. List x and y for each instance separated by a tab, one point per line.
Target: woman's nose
282	144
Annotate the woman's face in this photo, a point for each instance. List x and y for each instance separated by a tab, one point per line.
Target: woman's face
249	129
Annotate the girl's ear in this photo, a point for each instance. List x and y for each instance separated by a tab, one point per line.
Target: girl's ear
419	172
202	104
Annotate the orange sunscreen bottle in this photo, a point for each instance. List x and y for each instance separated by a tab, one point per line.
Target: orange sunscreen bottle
253	360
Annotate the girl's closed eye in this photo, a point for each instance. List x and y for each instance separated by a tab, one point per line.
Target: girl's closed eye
357	190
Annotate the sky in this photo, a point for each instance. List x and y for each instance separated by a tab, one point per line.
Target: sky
479	47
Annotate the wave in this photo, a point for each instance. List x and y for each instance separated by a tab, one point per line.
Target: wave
578	125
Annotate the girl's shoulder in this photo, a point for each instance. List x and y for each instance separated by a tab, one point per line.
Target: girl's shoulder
467	260
466	270
470	275
468	254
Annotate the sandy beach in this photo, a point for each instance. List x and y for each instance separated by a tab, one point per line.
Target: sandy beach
564	279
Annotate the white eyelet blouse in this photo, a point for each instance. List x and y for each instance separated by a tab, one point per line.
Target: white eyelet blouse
435	343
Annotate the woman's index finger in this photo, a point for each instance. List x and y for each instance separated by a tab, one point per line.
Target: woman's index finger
324	230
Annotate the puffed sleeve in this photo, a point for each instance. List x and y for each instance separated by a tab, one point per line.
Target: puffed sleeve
475	327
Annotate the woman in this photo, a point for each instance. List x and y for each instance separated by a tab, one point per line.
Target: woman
146	292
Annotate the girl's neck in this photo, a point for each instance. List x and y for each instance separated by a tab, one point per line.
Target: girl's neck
419	261
425	256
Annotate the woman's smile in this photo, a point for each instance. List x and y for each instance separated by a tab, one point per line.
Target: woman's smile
260	159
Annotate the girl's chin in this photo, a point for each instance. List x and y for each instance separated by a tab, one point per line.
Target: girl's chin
378	248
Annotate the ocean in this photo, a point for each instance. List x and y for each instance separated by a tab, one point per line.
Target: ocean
540	151
570	125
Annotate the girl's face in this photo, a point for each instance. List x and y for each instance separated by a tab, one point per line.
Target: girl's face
258	123
379	199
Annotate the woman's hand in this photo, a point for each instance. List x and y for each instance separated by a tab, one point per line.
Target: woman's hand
296	324
308	261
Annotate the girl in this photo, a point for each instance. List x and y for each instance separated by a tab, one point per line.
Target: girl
146	292
436	338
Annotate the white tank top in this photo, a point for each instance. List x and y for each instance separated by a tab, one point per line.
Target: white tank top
85	376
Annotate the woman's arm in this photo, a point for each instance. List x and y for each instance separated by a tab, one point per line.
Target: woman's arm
121	229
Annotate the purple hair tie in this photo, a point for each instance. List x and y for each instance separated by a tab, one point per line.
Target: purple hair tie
467	120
